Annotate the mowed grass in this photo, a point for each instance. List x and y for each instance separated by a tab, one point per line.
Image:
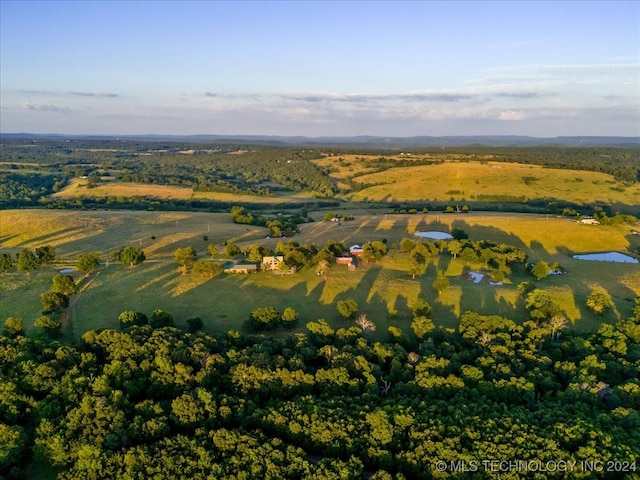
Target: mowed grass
77	188
384	291
74	232
462	181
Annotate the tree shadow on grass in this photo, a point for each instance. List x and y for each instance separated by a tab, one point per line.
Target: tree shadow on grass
538	251
482	232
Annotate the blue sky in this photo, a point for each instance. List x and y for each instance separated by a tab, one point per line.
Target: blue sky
320	68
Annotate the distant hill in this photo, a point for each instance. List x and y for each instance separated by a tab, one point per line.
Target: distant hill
364	140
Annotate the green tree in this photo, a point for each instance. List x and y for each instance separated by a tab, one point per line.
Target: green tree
497	276
320	328
540	270
440	283
421	308
160	318
422	326
265	318
525	288
206	268
458	233
373	251
599	301
88	262
290	317
348	308
195	324
63	284
46	254
6	262
454	247
13	326
231	250
48	325
257	252
13	444
53	301
420	253
185	257
468	255
212	250
26	261
540	305
416	268
130	318
396	335
406	245
131	256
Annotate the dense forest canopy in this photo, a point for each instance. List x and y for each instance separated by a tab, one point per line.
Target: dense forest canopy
149	402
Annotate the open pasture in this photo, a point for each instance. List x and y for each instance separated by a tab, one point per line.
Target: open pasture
75	232
468	181
77	188
384	291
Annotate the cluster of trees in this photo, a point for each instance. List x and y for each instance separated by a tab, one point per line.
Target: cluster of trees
499	258
88	262
622	163
27	260
18	189
269	318
152	400
542	269
57	298
295	254
131	256
615	219
281	226
186	257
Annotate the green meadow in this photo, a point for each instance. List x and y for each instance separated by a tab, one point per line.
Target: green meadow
384	290
463	180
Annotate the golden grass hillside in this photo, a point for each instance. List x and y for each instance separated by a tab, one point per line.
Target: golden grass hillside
77	188
73	232
469	180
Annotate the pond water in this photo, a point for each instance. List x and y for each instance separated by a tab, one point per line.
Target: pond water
434	235
480	278
607	257
66	270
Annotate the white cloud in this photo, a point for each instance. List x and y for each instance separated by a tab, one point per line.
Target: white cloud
45	107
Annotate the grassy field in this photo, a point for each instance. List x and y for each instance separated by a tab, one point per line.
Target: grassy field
465	181
75	232
77	188
385	291
457	179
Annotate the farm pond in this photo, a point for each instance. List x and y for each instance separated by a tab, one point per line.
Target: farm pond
434	235
607	257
